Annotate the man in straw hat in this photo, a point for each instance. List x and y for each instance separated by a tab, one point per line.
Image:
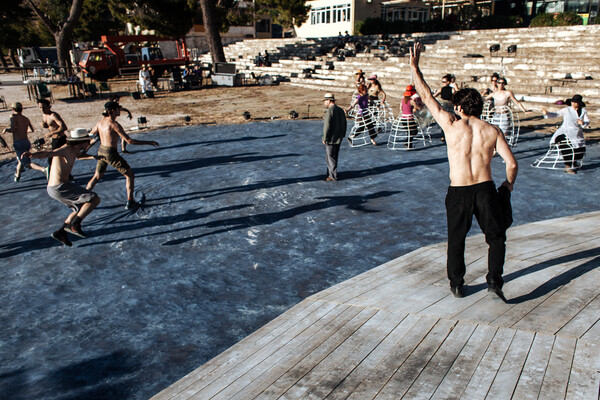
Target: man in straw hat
575	118
110	131
19	127
334	131
470	145
77	198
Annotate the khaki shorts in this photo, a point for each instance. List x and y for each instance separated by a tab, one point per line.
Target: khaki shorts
110	156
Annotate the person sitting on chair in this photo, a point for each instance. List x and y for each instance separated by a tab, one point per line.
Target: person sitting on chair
575	118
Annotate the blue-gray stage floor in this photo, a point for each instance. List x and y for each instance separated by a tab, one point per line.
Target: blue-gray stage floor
238	226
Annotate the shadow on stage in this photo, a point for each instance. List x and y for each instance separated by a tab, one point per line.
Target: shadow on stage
555	282
83	380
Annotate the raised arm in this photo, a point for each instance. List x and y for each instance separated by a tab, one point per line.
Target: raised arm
442	117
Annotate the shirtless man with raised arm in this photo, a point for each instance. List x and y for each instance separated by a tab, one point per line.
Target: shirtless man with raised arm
110	131
20	125
80	200
470	145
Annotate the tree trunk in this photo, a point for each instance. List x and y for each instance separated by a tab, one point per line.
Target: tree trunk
12	54
212	31
3	61
62	32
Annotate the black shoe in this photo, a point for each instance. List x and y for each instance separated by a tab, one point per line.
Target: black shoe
457	291
126	151
496	293
75	229
132	205
62	237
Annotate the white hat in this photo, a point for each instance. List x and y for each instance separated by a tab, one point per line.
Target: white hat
79	134
329	96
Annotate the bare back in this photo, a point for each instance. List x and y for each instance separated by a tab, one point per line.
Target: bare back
470	144
110	132
19	127
62	165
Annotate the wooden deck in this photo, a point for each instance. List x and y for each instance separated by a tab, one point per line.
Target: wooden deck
397	332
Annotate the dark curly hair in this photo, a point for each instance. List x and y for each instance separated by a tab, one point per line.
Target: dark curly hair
470	100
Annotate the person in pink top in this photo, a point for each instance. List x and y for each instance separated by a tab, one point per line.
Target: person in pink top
408	107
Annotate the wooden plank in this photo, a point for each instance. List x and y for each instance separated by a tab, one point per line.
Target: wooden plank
381	374
325	376
432	375
509	372
410	369
371	362
556	378
530	381
274	328
593	333
584	382
560	307
457	378
376	274
271	368
219	376
583	321
289	379
484	375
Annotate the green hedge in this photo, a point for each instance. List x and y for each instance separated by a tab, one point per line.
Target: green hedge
568	18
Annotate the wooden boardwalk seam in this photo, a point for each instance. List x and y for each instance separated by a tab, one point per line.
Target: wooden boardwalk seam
397	332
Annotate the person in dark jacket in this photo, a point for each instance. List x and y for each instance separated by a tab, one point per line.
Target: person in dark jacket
334	130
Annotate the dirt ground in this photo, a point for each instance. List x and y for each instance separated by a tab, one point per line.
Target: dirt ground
210	105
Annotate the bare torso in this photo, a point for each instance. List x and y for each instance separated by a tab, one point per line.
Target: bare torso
54	123
19	126
107	129
470	145
62	165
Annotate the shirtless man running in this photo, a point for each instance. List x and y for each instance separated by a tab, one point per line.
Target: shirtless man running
110	131
80	200
55	125
470	145
19	127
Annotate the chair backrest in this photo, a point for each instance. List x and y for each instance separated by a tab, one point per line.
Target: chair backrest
43	90
104	86
91	87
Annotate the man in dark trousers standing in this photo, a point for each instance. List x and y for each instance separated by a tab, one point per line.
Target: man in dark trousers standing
334	131
471	144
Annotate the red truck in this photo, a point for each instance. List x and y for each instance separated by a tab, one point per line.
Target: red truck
123	55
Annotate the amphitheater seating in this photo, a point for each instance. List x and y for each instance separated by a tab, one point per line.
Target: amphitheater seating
551	63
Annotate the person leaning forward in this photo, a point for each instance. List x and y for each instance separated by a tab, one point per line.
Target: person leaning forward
470	145
334	131
109	131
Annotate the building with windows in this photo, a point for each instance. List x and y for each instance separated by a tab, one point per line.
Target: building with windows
332	17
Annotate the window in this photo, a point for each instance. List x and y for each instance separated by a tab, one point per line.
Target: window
325	15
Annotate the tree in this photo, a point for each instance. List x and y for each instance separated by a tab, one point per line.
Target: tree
287	13
211	27
60	26
170	18
16	30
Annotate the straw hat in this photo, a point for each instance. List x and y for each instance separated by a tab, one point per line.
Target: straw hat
329	96
79	135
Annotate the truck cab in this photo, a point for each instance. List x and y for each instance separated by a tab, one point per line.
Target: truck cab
99	63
